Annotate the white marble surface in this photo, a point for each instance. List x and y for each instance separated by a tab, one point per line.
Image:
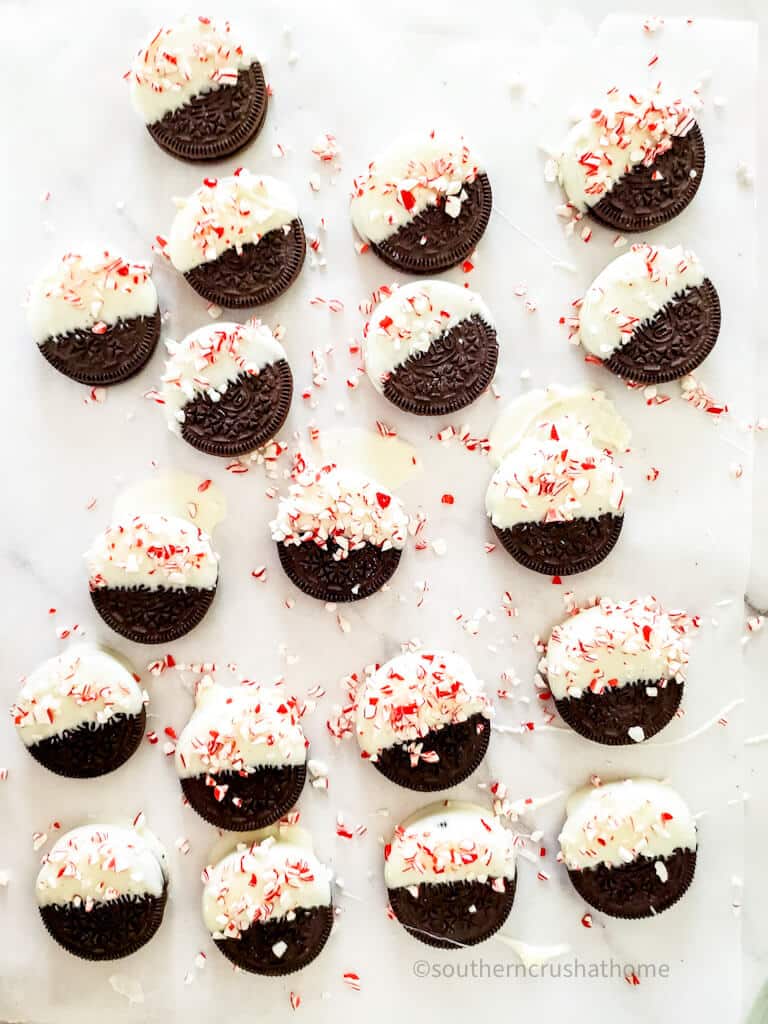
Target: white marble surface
686	536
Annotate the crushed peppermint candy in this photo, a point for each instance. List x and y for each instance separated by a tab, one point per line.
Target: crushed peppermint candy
182	61
327	504
153	550
626	130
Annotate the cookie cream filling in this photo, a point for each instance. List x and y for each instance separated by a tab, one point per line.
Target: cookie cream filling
89	291
411	319
228	213
83	686
339	505
209	359
626	130
419	171
99	863
555	476
616	643
239	728
181	61
619	822
446	842
152	550
630	291
264	879
414	694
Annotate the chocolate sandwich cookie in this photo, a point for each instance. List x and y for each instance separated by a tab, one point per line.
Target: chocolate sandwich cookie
450	874
102	890
238	240
152	577
267	903
424	204
556	501
651	315
430	348
94	317
227	387
339	534
81	714
242	756
617	670
201	95
629	847
635	162
423	720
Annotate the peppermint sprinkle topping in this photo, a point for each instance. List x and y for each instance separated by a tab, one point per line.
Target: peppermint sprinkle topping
626	130
345	508
413	694
211	358
416	173
182	61
614	643
152	550
555	476
89	291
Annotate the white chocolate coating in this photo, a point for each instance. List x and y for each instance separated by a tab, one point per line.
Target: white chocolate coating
99	863
237	728
228	213
86	291
624	131
449	841
414	173
416	693
209	359
263	879
555	478
83	686
182	61
615	643
350	508
153	551
411	319
630	291
173	494
618	822
528	414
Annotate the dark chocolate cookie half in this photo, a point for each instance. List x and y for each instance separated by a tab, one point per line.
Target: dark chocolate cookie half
677	340
109	930
434	241
562	549
304	937
152	616
607	717
638	203
263	796
259	273
454	371
313	570
460	749
453	914
91	749
217	123
99	360
245	416
635	890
